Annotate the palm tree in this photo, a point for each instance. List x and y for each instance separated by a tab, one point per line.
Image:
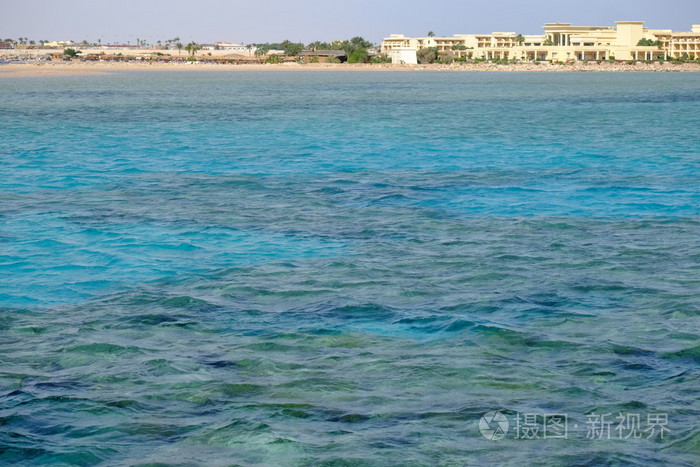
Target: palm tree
178	44
520	39
192	48
431	34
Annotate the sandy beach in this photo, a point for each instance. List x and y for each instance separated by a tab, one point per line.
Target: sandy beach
61	68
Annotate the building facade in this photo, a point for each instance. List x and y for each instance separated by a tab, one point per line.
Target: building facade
240	49
628	40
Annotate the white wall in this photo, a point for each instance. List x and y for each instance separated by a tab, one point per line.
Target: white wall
404	55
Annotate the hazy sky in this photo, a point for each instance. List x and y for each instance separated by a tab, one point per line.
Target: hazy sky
326	20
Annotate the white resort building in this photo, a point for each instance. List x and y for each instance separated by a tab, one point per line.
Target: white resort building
240	49
628	40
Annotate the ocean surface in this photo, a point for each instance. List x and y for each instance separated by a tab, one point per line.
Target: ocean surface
350	268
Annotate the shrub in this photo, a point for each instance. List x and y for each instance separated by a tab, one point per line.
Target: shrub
448	58
380	60
428	55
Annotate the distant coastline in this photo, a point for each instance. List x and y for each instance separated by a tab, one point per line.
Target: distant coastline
53	68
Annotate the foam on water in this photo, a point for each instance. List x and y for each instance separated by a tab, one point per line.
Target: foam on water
290	268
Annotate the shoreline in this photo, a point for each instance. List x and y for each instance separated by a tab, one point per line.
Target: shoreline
30	69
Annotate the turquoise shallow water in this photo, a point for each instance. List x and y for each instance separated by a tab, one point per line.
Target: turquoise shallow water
296	268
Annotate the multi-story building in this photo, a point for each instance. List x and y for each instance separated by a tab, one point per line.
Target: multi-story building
560	42
682	44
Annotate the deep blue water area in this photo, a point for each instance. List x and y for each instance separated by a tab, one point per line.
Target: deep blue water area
349	268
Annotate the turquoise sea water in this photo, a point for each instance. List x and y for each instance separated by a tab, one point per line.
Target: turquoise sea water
298	268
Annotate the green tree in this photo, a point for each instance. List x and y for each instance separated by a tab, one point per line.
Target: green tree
292	48
648	43
318	45
356	49
71	53
338	45
431	34
360	42
192	48
173	43
520	39
358	55
178	45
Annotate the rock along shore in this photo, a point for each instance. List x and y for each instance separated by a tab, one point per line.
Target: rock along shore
39	68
